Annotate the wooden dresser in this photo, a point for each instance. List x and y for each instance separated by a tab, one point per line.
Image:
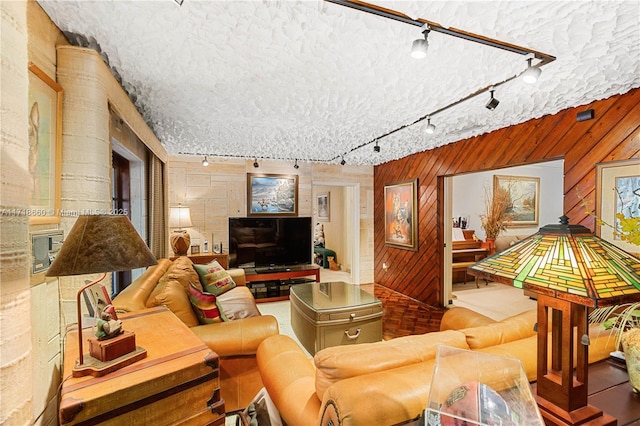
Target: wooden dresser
176	384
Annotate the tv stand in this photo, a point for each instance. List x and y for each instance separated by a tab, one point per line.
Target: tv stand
270	284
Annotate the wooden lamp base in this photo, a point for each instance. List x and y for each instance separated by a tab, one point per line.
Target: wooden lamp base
587	415
180	242
109	355
97	368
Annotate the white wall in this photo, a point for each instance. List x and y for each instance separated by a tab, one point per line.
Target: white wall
468	195
219	191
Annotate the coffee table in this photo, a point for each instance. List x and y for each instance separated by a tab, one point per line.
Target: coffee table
334	313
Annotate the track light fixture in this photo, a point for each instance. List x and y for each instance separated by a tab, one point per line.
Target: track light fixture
493	102
255	163
376	148
205	162
420	46
343	162
295	165
430	127
531	74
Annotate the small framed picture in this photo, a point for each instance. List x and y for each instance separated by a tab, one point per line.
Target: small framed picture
216	248
323	207
195	249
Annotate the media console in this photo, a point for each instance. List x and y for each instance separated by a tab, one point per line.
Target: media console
269	284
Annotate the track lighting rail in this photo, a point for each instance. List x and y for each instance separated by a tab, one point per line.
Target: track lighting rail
362	6
434	26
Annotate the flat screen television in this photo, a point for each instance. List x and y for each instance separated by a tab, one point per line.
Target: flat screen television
269	241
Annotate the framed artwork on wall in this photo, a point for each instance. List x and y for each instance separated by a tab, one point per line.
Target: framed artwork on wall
45	147
400	214
617	194
323	207
524	193
272	195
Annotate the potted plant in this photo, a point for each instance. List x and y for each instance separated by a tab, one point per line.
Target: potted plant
496	215
624	322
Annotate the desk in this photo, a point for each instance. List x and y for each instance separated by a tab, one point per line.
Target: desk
177	382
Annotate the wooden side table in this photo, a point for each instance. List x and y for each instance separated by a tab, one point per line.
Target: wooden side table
610	391
178	381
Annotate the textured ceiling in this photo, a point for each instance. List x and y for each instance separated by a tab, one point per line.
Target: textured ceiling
312	80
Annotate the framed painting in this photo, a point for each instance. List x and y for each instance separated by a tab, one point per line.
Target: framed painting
400	215
524	194
272	195
323	207
617	194
45	147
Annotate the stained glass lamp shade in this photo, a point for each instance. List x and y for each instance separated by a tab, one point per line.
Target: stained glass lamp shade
569	268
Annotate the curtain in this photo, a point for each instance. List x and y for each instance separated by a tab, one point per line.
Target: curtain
158	240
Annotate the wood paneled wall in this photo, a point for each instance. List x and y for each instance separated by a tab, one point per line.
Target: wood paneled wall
614	134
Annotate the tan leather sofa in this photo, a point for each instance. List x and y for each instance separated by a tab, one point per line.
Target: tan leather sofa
235	341
387	383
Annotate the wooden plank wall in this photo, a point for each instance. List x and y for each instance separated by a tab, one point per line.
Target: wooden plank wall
614	134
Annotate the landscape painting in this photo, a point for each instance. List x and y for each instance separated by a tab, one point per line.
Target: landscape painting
524	195
272	194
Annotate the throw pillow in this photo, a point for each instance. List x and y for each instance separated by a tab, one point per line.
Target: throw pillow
205	306
237	303
214	278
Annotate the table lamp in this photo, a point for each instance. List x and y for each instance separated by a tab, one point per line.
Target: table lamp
571	270
179	218
101	244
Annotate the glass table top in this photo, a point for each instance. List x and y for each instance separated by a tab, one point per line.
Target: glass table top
332	295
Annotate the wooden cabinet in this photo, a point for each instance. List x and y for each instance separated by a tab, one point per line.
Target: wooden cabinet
177	382
272	284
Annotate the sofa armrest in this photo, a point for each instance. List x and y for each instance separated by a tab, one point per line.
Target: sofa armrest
458	317
289	377
238	276
239	337
385	397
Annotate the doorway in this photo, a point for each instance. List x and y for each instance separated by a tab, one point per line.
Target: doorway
343	222
464	198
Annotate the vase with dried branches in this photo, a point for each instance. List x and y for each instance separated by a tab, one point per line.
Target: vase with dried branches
496	216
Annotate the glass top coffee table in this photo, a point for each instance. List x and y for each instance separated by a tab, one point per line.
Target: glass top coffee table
334	313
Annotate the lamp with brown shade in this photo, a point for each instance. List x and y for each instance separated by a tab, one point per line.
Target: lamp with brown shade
101	244
571	270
